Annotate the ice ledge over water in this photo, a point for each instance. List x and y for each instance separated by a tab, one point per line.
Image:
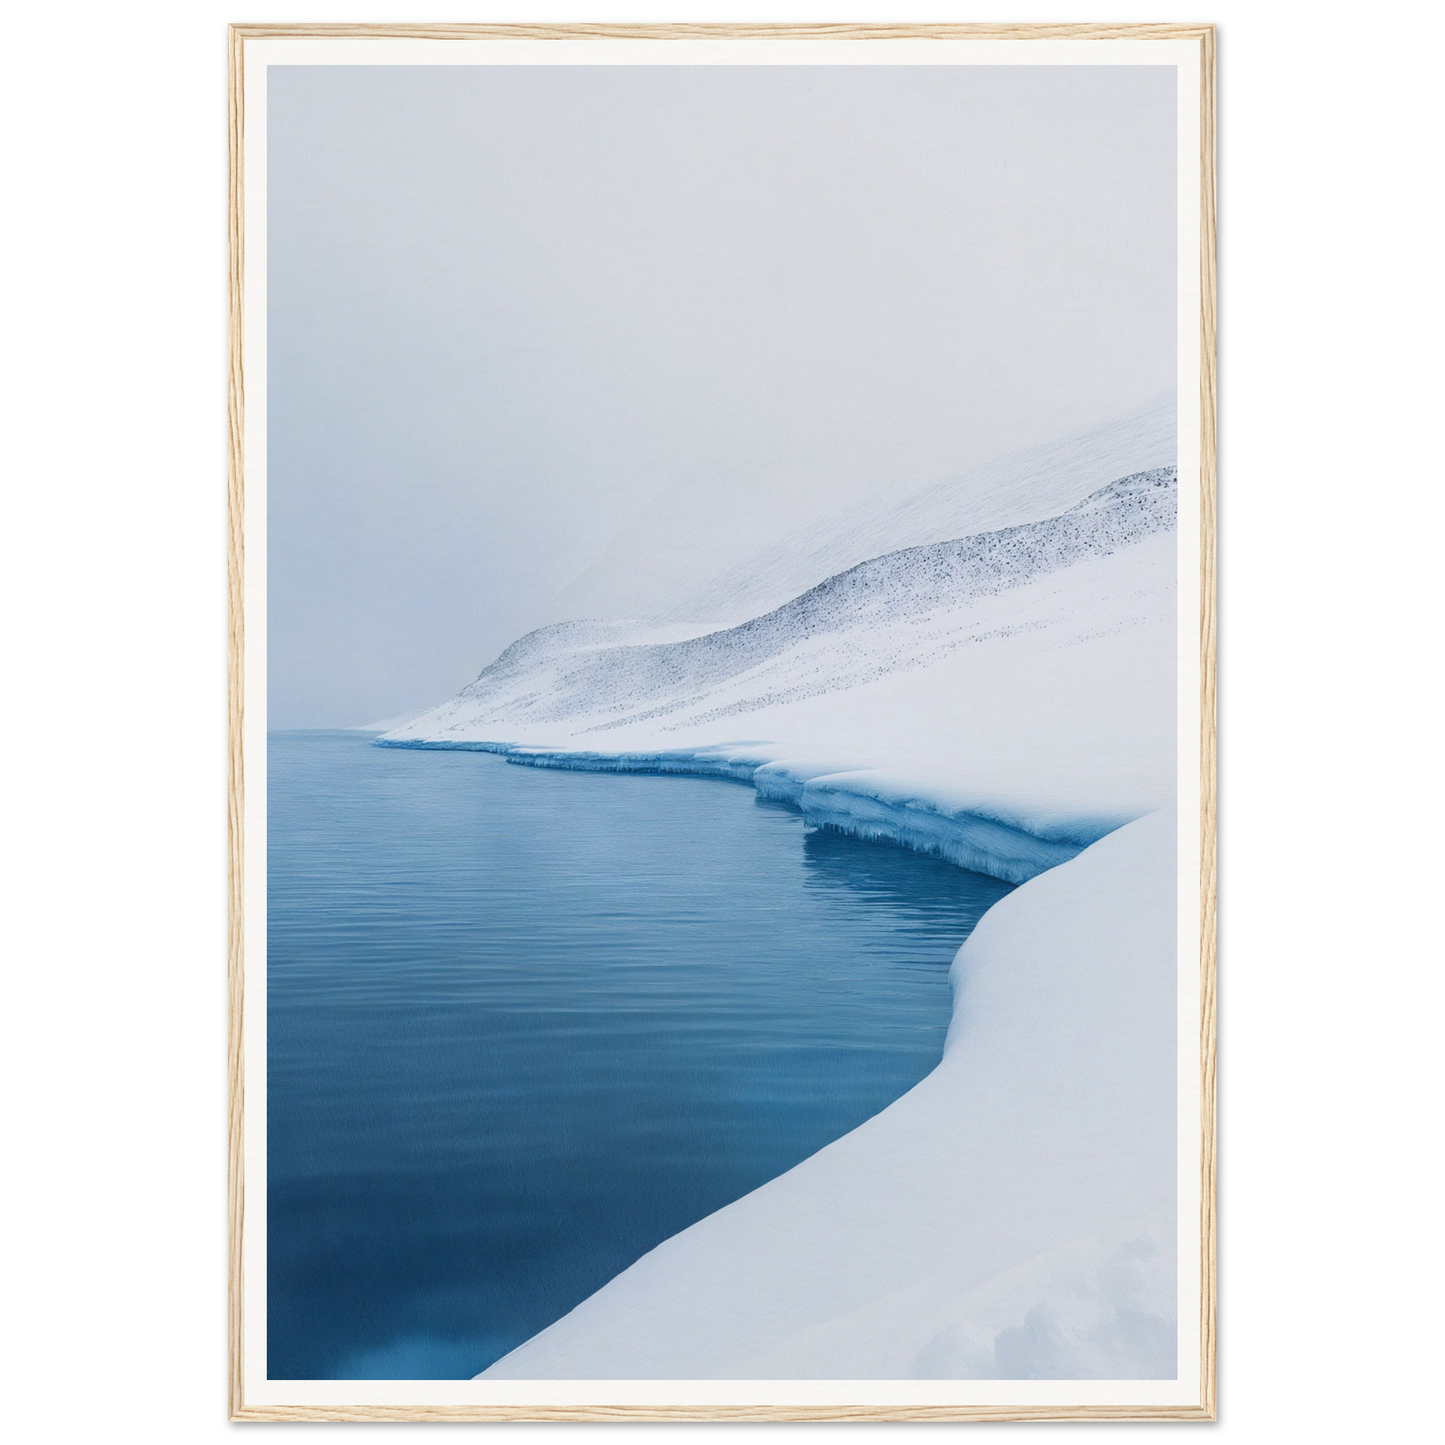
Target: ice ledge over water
888	804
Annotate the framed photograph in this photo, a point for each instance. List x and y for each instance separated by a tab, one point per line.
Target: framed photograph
722	748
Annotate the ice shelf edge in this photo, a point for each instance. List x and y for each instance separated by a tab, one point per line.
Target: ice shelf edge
844	800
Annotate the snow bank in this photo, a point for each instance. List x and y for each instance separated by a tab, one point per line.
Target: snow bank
786	780
869	804
1012	1216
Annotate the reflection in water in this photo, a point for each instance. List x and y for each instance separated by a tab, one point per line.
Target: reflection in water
914	885
524	1025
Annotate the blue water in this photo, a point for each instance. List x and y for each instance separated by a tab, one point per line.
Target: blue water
524	1025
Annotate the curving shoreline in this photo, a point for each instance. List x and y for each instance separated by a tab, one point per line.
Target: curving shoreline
887	804
1012	1216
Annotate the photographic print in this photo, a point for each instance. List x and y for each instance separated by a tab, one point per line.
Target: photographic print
722	758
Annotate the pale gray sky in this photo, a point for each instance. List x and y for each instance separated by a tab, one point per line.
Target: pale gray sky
514	309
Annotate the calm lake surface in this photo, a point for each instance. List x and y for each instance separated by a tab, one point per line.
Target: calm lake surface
525	1025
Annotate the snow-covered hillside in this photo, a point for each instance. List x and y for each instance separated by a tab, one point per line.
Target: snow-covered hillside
849	624
1023	677
690	568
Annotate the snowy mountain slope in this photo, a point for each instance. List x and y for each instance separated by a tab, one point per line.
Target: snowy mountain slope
1003	701
903	609
696	570
1011	1217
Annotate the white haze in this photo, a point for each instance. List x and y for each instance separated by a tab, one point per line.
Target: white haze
517	312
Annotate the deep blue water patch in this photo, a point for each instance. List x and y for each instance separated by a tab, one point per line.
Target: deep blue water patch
525	1025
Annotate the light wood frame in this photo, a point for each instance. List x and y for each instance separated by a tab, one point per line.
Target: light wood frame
1206	1408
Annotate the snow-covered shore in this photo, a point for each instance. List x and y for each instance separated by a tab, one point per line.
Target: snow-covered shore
1012	1216
1005	700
